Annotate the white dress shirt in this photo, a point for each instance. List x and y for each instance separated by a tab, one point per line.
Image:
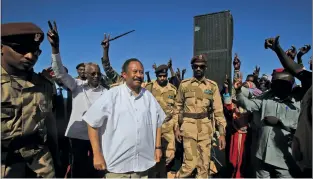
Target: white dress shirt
127	127
83	96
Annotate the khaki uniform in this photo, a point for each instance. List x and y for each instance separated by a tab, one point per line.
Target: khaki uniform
197	128
26	108
117	84
166	98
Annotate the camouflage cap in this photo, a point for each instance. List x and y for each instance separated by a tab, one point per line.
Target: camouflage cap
198	58
161	69
22	33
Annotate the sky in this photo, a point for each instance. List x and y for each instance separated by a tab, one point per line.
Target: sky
164	29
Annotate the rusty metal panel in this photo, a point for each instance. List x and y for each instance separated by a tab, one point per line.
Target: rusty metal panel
213	36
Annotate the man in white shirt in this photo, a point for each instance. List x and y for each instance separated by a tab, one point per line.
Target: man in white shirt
124	127
84	93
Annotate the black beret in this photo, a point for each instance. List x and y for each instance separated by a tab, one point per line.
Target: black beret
161	69
80	65
198	58
21	33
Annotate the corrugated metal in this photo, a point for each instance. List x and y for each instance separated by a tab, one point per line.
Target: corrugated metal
213	36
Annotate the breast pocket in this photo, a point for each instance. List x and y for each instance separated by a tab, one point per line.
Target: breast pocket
43	107
207	98
170	102
292	115
190	98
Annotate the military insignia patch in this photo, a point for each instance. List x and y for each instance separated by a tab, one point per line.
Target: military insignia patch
208	91
37	37
171	97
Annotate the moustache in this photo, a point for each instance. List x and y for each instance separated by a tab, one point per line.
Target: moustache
138	79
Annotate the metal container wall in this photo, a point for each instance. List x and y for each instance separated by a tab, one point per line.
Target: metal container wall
213	36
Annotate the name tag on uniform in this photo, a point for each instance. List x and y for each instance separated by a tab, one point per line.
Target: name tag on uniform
208	91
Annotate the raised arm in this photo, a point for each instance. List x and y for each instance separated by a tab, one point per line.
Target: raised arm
293	67
57	66
110	72
248	104
302	51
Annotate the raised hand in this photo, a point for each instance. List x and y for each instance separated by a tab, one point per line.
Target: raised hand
105	42
183	71
292	52
236	62
238	85
169	64
178	73
53	35
272	43
226	81
305	49
256	72
154	66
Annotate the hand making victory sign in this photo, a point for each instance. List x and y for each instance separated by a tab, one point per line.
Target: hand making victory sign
53	37
105	43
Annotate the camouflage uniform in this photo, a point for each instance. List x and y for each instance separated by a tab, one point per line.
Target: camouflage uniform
28	125
166	98
25	108
197	127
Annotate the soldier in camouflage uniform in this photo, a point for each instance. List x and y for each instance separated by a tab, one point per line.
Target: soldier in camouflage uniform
114	79
26	104
199	107
165	94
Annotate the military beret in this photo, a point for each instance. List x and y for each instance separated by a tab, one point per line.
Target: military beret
198	58
161	69
80	65
21	33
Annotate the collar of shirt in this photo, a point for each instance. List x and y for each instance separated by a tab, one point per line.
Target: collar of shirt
87	87
131	93
157	86
203	80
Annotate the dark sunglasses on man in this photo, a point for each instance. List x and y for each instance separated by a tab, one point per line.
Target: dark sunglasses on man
198	66
24	49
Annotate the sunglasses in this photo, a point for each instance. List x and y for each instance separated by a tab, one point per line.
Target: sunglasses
198	66
23	49
94	74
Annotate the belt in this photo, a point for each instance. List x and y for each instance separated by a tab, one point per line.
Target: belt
196	115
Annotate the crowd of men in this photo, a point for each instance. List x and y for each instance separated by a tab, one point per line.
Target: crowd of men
118	125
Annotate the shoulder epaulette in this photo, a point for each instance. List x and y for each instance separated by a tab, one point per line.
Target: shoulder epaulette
212	82
185	80
173	86
150	83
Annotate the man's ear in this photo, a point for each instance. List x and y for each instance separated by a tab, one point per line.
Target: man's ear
124	75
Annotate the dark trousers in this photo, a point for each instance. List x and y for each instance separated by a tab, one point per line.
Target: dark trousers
64	151
82	159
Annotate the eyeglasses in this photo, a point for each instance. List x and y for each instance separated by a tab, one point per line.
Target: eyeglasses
165	76
198	66
95	73
23	49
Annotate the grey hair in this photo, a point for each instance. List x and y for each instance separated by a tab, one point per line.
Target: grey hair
89	65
